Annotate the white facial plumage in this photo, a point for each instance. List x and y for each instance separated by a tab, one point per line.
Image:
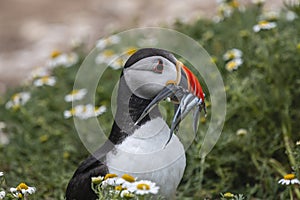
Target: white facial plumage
149	76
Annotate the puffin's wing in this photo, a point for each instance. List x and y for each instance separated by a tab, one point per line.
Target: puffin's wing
79	187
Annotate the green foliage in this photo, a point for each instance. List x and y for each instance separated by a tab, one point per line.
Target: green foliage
262	98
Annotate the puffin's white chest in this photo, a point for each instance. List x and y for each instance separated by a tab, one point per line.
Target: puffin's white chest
145	156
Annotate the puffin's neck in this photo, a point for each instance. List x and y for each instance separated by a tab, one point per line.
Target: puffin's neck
129	109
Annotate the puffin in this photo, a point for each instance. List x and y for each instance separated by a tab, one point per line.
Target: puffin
141	143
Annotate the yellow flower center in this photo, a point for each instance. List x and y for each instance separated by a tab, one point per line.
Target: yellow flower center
73	111
143	186
214	59
228	195
15	97
44	138
45	79
66	155
231	65
263	23
118	187
131	51
128	178
74	92
289	176
202	120
108	53
107	176
234	4
22	186
97	180
55	54
231	55
119	61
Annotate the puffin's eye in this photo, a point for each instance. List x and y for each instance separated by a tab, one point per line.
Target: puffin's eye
159	67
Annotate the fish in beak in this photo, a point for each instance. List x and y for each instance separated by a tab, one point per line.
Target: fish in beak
186	93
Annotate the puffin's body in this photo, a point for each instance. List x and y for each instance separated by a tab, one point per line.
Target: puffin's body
140	143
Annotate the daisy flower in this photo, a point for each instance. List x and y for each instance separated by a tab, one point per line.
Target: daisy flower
104	42
232	54
298	143
97	180
17	100
2	194
264	25
75	95
22	190
106	57
143	187
110	180
125	181
45	80
130	50
126	194
291	16
234	64
289	179
117	63
228	195
241	132
224	10
84	111
1	174
62	59
38	72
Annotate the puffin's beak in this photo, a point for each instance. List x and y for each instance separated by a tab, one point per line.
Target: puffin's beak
186	92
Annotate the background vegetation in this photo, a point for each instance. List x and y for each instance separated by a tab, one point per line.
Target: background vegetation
258	143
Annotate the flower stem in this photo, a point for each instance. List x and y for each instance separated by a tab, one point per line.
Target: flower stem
287	145
202	162
291	193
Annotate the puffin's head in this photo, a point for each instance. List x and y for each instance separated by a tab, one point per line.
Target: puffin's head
156	74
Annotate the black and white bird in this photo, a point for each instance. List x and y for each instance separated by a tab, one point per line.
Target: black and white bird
141	143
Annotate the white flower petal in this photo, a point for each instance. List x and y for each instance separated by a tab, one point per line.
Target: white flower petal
31	190
291	16
153	189
67	114
232	54
66	60
13	190
295	181
76	95
2	194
